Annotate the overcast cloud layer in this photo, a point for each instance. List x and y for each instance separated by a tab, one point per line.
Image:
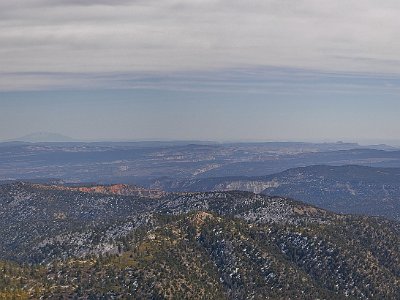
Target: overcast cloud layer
47	44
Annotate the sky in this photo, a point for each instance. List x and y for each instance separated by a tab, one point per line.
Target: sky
257	70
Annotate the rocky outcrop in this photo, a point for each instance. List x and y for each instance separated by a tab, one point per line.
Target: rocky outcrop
114	189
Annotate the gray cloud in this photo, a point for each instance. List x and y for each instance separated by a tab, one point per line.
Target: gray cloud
135	37
262	81
86	2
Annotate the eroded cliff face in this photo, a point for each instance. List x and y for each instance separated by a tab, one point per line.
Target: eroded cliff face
114	189
254	186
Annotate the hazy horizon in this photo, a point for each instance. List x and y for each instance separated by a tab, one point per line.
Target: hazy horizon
54	137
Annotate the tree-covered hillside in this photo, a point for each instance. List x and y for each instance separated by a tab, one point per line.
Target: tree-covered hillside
219	245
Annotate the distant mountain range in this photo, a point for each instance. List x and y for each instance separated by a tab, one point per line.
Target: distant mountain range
38	137
343	189
216	245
